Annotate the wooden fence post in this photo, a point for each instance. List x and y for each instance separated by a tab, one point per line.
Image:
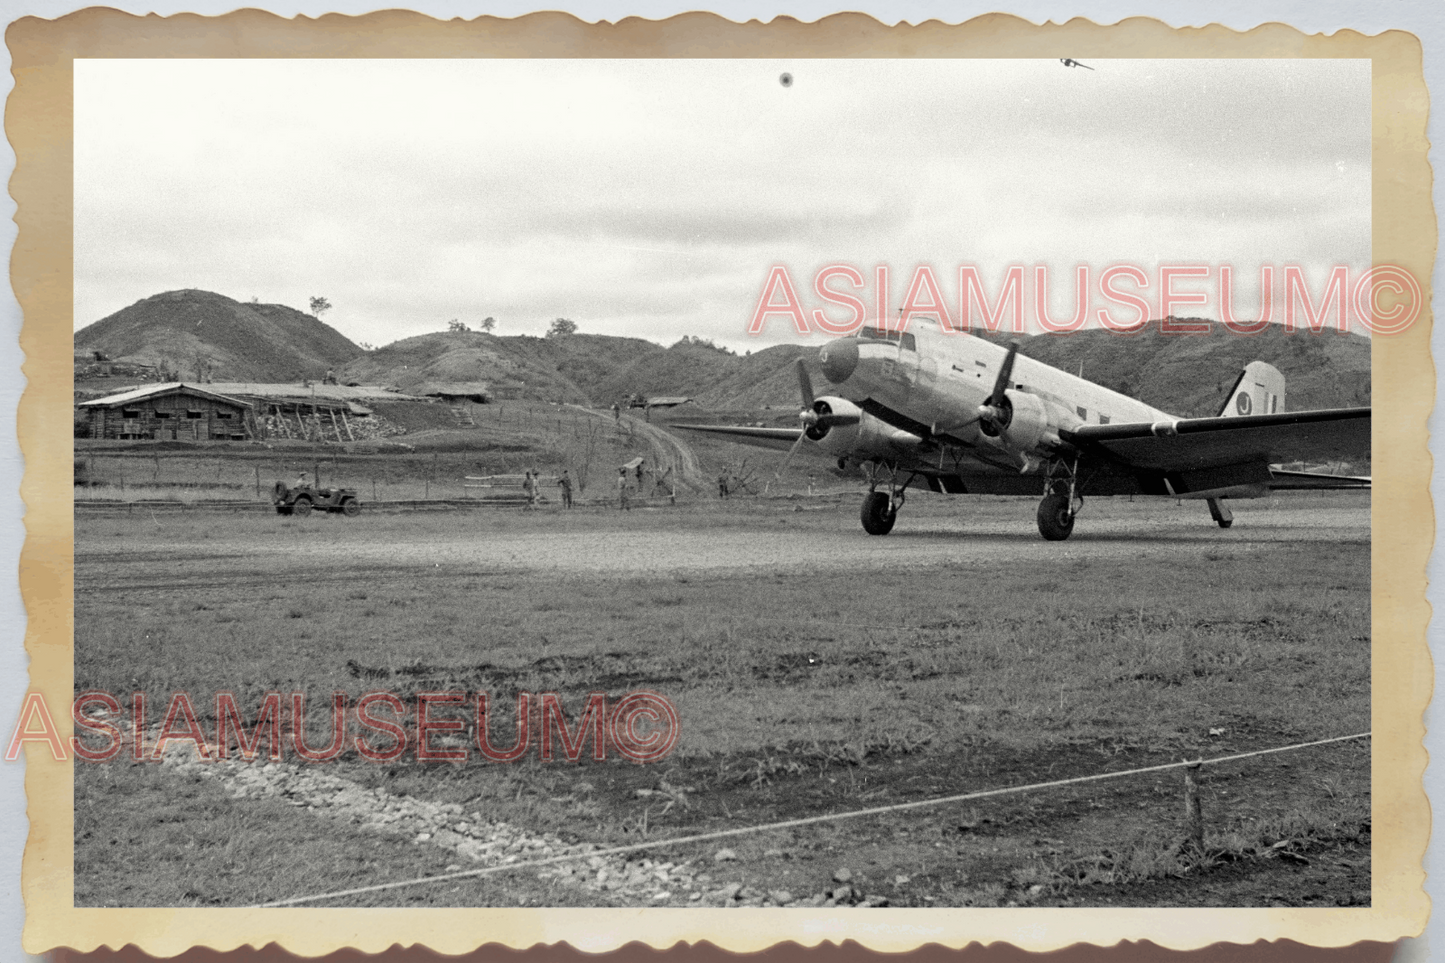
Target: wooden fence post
1193	814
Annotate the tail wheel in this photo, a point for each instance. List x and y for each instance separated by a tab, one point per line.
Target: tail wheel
878	514
350	507
1056	517
302	506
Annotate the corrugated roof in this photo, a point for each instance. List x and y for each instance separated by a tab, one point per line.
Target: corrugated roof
452	388
155	391
294	391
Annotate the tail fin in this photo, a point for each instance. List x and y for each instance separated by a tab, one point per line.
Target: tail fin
1259	390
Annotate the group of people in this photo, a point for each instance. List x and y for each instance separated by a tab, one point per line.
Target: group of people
532	486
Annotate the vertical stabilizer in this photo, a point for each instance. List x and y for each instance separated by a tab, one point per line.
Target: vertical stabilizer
1259	390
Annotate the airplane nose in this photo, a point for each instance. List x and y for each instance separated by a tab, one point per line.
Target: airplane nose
838	359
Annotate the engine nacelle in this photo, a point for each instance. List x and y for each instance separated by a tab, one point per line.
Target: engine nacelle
1028	424
866	438
836	439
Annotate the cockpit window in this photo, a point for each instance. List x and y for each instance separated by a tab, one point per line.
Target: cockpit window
904	339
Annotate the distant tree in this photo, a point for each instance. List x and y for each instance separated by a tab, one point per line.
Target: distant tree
255	300
366	346
561	328
457	327
319	306
487	324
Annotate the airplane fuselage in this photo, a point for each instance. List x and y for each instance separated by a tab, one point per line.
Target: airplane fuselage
962	414
938	381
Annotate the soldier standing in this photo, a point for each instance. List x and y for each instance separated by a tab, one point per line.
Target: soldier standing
623	501
565	483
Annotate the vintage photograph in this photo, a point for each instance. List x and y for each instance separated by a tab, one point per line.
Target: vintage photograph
823	485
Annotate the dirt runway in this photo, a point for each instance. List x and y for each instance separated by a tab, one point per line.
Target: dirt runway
778	536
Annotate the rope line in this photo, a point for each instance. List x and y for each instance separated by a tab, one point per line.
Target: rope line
804	821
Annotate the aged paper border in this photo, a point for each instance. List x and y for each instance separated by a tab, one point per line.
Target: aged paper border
38	123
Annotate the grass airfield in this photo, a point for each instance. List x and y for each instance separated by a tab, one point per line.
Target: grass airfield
815	670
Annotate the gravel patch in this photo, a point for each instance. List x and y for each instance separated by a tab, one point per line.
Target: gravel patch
476	841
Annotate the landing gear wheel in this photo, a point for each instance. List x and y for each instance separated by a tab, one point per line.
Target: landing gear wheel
878	513
350	507
302	506
1056	517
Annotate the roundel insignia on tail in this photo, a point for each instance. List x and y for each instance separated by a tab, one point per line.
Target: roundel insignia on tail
1242	403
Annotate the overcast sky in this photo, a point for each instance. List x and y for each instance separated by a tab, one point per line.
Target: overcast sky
651	198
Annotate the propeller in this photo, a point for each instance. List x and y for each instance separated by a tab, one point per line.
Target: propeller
805	384
996	410
816	418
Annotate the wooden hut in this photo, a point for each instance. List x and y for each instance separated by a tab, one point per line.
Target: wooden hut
168	412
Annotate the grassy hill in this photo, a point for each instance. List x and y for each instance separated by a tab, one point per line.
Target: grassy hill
195	333
192	332
686	368
1189	375
570	369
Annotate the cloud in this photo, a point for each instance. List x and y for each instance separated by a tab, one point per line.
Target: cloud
654	195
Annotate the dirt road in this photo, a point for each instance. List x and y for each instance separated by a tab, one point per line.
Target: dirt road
667	449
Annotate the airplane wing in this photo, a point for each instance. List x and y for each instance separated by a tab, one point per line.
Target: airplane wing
1200	443
778	438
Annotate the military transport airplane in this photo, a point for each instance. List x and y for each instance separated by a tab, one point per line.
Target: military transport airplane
961	414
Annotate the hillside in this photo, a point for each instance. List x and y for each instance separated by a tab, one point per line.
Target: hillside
202	335
766	378
686	368
199	335
571	369
1189	375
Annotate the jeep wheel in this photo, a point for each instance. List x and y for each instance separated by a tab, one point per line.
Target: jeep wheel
302	506
350	507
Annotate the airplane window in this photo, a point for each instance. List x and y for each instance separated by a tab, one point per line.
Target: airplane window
878	334
1103	419
907	342
1083	412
